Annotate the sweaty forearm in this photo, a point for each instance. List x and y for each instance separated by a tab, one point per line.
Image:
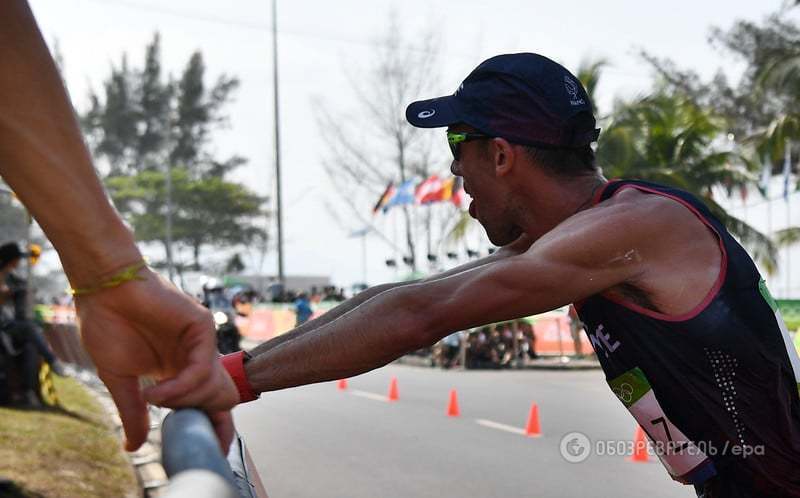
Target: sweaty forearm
43	157
327	317
362	297
368	333
369	336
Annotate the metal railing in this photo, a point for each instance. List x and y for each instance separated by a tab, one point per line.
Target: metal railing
194	462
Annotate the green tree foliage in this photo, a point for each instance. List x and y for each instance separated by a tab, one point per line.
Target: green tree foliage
222	210
589	73
761	110
771	82
669	138
771	52
234	264
143	123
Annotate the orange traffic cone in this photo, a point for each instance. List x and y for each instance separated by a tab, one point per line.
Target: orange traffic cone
342	384
639	446
393	390
452	407
532	428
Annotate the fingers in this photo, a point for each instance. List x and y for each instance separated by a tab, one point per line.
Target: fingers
217	393
223	426
132	408
192	377
202	384
191	380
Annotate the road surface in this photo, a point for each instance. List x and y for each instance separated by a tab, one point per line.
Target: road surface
320	442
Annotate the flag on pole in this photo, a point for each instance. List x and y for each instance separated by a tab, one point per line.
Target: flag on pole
743	192
404	195
385	196
428	191
446	192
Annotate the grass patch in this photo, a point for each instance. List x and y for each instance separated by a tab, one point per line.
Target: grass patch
67	452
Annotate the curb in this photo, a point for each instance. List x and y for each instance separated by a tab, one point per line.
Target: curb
146	461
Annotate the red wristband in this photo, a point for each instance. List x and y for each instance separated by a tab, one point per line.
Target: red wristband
234	364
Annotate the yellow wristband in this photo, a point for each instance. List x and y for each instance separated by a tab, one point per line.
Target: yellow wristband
127	274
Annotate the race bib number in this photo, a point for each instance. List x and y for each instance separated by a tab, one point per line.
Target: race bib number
677	453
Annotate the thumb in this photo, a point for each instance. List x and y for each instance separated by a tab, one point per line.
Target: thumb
132	408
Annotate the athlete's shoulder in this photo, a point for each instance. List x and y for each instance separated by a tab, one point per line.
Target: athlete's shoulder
646	207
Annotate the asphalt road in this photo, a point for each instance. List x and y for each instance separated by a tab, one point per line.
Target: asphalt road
317	441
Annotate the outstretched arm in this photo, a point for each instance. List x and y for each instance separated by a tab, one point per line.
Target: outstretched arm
515	248
569	263
144	327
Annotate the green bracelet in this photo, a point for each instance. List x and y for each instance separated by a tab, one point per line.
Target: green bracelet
127	274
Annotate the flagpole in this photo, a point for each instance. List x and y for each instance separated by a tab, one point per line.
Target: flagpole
278	198
787	168
397	260
364	258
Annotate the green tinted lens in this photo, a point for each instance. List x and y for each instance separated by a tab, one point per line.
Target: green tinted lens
456	138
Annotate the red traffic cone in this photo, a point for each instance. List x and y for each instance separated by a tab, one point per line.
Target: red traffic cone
342	384
639	446
452	407
393	396
532	428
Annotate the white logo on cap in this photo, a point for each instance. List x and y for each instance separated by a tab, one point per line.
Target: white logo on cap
572	90
426	113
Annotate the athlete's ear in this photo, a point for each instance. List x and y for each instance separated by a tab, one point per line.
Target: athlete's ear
504	156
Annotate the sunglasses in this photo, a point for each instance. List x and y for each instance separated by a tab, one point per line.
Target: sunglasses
456	138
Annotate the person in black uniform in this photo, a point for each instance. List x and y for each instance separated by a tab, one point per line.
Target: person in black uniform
19	335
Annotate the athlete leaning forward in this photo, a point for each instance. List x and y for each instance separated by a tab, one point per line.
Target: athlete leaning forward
685	329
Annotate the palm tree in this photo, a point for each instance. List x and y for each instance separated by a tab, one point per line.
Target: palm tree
670	139
589	73
778	77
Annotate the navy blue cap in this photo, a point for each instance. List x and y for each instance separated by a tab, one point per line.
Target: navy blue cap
525	98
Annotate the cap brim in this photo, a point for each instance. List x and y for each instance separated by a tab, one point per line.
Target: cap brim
433	113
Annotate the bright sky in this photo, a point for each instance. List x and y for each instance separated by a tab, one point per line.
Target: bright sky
317	38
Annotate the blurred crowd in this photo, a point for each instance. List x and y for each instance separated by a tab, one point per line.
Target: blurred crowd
495	346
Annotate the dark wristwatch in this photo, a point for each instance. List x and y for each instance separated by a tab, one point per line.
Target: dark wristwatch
234	364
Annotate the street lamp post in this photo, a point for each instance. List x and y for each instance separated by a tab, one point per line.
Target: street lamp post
278	197
168	223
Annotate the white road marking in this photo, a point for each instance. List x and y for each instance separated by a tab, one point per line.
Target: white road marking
369	395
500	427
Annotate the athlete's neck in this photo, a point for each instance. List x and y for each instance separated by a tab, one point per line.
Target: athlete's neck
548	201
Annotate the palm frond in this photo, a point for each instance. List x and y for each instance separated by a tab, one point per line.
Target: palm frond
787	236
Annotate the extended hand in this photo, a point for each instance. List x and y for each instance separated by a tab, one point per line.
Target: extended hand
149	328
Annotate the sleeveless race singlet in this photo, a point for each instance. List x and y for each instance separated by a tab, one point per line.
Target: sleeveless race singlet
715	389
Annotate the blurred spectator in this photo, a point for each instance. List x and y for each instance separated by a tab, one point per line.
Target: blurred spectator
478	348
501	349
528	340
575	328
302	307
448	350
20	337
